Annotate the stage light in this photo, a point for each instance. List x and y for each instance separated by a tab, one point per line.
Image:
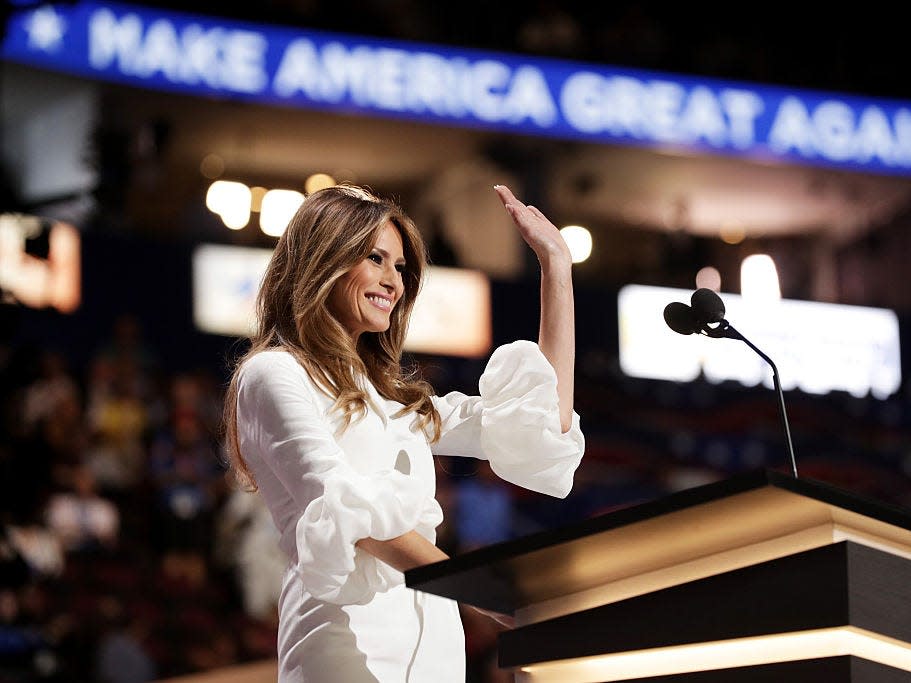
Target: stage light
257	193
732	233
579	241
318	181
212	166
709	278
759	279
278	206
230	200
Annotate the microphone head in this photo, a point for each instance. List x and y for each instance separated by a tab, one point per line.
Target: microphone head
707	306
681	318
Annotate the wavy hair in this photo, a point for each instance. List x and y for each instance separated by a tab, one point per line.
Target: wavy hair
334	230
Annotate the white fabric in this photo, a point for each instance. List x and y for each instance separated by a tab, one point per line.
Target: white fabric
344	615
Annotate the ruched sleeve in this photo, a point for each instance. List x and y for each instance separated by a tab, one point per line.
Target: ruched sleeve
352	507
290	446
515	422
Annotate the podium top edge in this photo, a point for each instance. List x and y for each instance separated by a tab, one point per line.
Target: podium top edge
674	502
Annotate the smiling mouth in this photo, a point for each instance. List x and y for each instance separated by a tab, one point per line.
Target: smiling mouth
380	302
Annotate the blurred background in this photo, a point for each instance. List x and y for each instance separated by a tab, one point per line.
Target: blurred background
125	554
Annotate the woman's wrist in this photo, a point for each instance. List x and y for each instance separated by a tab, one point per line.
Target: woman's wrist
556	266
555	262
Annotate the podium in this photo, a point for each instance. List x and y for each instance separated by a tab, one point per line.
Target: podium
759	578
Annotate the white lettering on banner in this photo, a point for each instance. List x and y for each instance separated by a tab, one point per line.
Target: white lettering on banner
742	107
874	137
488	77
626	115
702	119
834	122
832	132
580	102
389	79
438	92
111	40
903	137
529	97
663	99
396	80
657	110
600	104
223	59
437	85
298	71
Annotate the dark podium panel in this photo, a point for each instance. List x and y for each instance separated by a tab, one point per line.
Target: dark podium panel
762	577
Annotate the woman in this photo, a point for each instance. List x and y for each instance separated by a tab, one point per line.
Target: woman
322	420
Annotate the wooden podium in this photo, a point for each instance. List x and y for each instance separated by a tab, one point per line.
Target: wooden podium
758	578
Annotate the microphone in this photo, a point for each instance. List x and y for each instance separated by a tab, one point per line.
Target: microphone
681	318
705	315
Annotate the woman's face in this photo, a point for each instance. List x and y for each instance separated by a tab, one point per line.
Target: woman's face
363	298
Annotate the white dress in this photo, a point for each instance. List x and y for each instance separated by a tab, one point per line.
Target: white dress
343	614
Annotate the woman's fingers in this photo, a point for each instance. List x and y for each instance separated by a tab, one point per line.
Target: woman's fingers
519	211
535	211
536	229
506	195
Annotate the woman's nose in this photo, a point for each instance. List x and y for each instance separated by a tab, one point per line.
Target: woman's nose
391	277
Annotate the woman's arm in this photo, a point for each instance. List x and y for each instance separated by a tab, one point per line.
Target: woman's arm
412	550
404	552
556	335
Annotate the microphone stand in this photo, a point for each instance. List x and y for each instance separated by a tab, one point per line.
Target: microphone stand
726	330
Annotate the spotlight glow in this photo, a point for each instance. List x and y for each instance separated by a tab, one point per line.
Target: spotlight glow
579	241
278	207
230	200
318	181
709	278
759	279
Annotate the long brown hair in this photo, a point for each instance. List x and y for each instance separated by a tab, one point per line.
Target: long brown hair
334	230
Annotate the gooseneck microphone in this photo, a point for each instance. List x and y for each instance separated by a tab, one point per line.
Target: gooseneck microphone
705	315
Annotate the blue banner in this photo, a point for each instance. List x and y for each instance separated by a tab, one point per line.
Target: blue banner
515	94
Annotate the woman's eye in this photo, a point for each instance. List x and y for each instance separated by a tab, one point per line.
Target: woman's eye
400	267
376	258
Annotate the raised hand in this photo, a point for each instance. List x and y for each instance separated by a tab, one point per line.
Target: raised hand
556	333
538	232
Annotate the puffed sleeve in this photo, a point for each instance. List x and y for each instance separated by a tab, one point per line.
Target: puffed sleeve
293	439
515	422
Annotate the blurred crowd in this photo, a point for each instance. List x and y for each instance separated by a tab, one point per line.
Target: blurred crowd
125	555
121	544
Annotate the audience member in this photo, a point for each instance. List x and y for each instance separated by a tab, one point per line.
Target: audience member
248	546
81	519
187	479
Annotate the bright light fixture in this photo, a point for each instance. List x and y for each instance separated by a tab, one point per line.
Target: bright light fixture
230	200
579	241
759	279
318	181
278	207
709	277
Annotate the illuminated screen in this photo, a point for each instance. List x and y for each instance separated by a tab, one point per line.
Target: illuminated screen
225	282
817	347
451	316
51	278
